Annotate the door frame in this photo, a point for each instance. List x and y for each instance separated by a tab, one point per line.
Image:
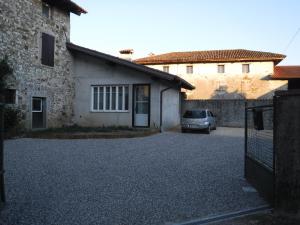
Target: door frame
133	104
44	111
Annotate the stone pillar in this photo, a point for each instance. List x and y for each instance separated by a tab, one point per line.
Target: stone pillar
287	151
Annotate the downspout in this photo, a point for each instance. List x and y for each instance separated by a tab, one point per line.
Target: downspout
161	107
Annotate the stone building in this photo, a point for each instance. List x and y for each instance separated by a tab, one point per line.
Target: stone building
57	83
33	36
222	74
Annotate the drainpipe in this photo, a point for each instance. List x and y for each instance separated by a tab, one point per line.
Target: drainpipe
161	107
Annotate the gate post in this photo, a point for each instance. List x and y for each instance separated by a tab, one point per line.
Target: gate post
2	189
246	136
287	149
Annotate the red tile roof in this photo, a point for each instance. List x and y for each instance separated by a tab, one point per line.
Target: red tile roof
234	55
66	5
286	72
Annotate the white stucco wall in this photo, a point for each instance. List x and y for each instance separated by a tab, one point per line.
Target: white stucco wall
231	84
90	71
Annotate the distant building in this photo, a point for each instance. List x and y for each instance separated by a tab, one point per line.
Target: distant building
290	73
222	74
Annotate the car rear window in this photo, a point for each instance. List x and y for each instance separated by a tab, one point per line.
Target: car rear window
194	114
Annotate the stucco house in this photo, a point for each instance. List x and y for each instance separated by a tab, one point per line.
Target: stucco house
56	83
113	91
222	74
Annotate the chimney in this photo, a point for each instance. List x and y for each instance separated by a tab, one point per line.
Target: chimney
126	54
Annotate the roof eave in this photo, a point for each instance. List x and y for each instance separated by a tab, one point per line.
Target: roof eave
67	5
160	74
161	62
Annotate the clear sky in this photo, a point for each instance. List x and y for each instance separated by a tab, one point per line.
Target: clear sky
161	26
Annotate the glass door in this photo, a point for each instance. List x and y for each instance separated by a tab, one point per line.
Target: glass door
141	105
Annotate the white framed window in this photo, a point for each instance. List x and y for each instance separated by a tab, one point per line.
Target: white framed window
246	68
110	98
166	69
46	10
221	68
37	105
189	69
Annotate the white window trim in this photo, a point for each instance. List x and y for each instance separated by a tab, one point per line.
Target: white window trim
192	69
110	99
223	66
248	66
41	105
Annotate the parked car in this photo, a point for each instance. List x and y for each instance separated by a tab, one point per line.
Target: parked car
198	119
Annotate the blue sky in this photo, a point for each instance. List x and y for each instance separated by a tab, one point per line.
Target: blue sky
161	26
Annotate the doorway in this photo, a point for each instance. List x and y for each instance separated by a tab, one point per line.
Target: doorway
141	105
38	109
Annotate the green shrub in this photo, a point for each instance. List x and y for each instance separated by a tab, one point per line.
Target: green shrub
12	118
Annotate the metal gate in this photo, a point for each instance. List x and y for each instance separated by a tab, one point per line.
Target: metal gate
259	149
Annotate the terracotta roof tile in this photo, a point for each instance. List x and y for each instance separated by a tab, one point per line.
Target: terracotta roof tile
286	72
233	55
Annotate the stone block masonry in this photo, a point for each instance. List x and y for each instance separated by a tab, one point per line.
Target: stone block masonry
287	151
21	26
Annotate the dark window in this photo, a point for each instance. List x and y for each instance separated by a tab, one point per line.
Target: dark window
37	105
47	50
107	98
113	98
46	11
221	68
126	98
9	96
194	114
189	69
166	69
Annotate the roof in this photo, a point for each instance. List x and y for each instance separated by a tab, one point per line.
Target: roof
233	55
66	5
286	72
153	72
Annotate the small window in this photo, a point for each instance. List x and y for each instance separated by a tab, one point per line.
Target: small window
246	68
47	50
221	68
110	98
37	105
166	69
9	96
189	69
46	10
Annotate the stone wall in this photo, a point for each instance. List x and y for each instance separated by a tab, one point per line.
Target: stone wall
21	26
287	151
230	113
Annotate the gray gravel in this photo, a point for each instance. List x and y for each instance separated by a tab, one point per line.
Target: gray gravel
161	179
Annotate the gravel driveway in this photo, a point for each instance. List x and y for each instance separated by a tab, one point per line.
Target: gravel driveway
162	179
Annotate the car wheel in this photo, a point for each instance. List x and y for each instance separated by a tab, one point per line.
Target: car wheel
208	130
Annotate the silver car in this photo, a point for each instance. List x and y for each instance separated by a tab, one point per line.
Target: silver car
198	119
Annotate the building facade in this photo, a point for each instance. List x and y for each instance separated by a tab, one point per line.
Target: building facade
111	91
33	37
56	83
222	74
